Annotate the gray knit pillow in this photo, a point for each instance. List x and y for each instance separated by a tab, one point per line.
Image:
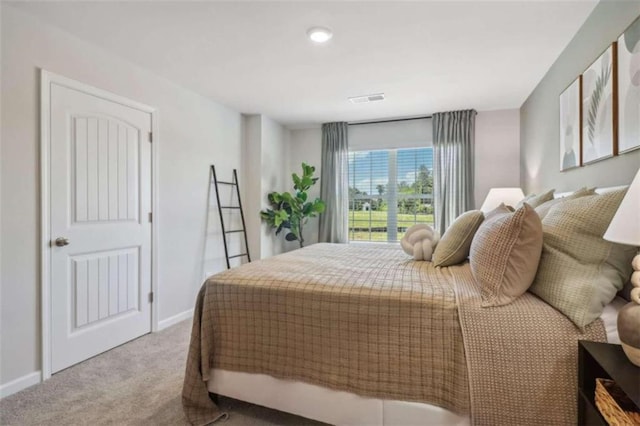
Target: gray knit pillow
579	271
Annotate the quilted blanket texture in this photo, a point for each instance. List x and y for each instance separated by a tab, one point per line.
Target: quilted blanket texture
369	320
359	318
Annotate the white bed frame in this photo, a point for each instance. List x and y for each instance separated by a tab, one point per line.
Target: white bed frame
345	408
327	405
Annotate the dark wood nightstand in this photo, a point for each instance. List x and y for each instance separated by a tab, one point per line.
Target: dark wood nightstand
608	361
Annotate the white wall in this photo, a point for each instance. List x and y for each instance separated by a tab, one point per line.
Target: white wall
265	159
194	133
391	135
1	138
274	178
251	181
497	151
305	146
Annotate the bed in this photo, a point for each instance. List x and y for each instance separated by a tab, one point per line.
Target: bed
361	334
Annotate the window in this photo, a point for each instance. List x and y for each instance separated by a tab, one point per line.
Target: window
389	190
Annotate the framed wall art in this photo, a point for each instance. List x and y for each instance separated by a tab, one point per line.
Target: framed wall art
570	127
599	108
629	88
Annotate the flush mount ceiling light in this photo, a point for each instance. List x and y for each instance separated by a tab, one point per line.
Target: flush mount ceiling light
319	34
367	98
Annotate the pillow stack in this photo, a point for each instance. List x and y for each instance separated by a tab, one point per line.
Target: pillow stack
535	200
551	247
505	254
544	208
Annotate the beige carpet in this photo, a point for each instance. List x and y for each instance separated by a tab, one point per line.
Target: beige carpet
138	383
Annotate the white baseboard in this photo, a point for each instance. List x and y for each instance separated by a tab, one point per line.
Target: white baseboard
20	383
162	324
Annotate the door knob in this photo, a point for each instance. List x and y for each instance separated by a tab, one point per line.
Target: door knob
61	242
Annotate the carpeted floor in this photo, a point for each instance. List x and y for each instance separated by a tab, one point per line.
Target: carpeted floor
138	383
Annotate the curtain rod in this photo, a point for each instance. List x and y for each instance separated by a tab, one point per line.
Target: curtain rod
390	121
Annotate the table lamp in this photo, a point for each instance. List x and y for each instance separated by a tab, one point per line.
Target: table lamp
496	196
625	229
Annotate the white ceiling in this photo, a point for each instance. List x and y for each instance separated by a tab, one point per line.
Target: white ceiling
255	58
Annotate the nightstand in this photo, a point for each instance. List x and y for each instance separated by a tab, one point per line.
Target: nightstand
608	361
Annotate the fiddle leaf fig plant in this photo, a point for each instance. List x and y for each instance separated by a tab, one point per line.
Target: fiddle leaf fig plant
291	212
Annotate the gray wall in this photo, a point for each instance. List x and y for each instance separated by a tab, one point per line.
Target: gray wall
539	115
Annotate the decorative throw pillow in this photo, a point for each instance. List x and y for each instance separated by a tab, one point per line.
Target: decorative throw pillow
453	247
419	241
544	208
505	253
501	209
536	200
579	271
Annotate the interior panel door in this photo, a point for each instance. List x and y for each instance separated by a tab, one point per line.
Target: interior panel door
100	200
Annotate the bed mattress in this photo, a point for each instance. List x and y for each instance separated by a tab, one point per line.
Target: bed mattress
369	321
308	400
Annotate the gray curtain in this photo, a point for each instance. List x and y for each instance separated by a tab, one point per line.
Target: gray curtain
453	146
334	183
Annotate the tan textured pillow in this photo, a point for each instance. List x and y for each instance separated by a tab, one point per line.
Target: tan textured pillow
505	253
535	200
453	247
544	208
579	271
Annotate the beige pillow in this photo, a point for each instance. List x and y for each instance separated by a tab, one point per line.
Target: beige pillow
501	209
535	200
579	271
544	208
453	247
505	253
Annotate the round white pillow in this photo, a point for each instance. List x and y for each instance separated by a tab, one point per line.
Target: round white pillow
419	241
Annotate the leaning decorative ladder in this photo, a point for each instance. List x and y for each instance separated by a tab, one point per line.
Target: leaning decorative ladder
234	183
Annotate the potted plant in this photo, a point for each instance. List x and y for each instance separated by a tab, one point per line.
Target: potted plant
290	212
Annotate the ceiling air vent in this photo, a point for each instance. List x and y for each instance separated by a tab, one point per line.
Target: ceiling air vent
367	98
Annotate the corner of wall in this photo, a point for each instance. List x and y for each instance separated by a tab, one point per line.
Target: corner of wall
251	180
265	155
497	151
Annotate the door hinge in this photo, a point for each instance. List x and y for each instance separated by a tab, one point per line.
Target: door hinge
151	297
150	217
150	137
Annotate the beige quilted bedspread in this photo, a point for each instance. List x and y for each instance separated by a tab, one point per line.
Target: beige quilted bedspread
369	320
359	318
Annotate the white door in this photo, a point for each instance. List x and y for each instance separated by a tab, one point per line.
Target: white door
100	230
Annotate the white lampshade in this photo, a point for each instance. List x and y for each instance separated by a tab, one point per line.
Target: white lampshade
625	225
496	196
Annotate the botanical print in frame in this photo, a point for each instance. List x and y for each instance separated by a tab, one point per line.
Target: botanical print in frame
599	108
629	88
570	126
